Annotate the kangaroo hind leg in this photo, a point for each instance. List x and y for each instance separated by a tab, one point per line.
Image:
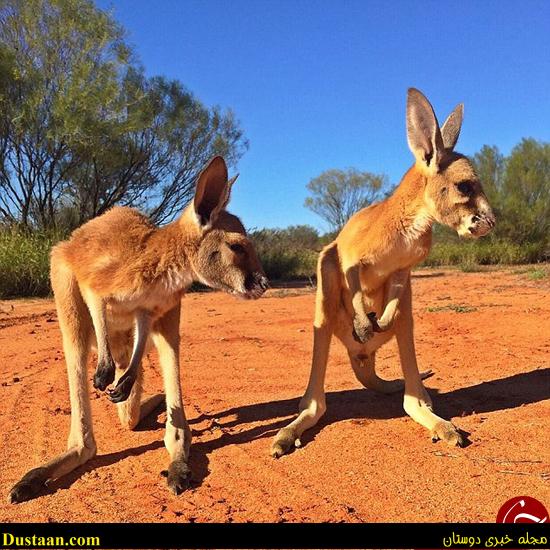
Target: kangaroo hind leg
417	403
177	438
131	411
313	404
76	328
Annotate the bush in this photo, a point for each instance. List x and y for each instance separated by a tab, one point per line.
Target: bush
25	263
288	265
485	252
286	254
289	253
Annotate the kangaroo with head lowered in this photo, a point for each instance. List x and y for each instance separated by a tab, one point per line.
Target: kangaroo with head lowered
119	274
363	276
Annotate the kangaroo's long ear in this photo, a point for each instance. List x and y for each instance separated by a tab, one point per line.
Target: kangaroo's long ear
228	190
451	128
212	192
423	133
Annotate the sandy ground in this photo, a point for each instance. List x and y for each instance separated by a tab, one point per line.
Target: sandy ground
244	367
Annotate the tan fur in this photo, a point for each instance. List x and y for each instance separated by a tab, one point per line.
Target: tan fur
119	273
364	291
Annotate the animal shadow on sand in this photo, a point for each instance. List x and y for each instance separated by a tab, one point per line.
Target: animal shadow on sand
430	275
491	396
150	423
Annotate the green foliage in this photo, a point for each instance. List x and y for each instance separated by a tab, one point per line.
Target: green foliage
25	262
289	253
534	273
518	189
490	167
483	252
65	59
337	194
524	201
83	129
538	274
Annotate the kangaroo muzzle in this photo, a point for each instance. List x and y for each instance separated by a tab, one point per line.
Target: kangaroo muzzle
482	223
255	284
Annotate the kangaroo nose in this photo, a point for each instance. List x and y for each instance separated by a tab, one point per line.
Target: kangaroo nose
488	218
256	280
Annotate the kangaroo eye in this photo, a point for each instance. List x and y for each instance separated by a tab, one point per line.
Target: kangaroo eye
465	187
237	248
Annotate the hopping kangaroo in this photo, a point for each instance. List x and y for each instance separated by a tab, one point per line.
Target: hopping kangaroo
363	285
119	273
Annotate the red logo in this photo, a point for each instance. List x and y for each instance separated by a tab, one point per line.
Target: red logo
522	510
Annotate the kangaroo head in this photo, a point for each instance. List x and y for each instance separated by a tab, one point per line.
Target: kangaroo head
452	194
224	257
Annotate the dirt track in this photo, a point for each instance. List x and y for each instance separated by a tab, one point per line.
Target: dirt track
244	366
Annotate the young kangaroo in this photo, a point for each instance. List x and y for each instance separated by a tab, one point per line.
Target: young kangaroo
119	270
367	269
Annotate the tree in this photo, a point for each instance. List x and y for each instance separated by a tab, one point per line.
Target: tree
338	194
525	195
293	237
518	188
82	128
66	56
490	166
154	159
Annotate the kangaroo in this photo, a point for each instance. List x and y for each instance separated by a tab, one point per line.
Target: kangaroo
365	272
119	271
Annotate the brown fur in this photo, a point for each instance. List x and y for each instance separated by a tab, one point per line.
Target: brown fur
364	293
119	273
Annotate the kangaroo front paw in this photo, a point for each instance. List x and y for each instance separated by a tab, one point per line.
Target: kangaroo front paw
31	484
104	374
374	321
122	390
285	440
178	477
362	329
447	432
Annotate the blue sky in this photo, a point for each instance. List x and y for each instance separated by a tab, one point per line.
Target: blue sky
322	84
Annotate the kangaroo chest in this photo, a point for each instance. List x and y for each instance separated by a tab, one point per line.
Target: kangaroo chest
156	299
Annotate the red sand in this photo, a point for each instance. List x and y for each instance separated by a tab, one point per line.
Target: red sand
244	367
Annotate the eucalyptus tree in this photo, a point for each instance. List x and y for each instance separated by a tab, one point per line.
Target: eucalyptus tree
83	129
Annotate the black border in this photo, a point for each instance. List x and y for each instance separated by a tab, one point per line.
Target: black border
285	535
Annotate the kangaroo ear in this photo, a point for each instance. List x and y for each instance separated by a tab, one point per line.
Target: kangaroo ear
228	189
423	133
212	192
451	128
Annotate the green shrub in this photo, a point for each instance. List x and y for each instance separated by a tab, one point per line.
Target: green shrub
538	274
286	254
469	254
289	253
25	263
289	264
